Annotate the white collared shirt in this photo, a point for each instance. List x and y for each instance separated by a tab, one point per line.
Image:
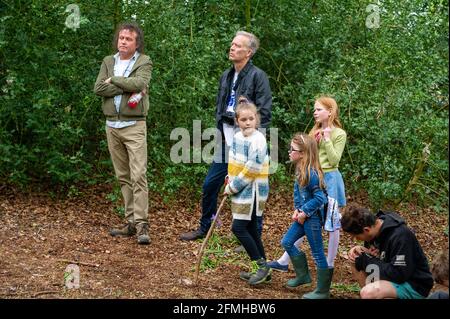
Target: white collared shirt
122	68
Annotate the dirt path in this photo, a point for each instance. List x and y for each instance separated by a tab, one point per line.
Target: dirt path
40	236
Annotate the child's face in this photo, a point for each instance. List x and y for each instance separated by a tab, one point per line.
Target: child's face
321	114
295	154
247	122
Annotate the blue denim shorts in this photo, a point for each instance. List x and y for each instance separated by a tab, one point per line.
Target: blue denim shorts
405	291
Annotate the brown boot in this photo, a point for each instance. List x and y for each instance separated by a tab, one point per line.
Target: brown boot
142	233
128	230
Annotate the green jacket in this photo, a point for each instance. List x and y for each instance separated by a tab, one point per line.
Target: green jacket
136	82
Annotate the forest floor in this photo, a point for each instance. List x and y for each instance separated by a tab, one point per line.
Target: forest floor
40	236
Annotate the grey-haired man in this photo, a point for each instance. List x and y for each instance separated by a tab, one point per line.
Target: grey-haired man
242	79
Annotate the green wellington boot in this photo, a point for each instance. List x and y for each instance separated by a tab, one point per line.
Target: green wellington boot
322	290
301	271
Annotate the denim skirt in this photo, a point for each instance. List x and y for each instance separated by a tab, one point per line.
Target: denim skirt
336	199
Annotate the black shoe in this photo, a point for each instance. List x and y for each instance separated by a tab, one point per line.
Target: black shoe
245	275
262	274
192	235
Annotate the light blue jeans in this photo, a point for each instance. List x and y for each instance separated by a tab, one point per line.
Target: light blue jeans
313	231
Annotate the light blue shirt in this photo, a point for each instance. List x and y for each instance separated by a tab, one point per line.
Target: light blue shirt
118	98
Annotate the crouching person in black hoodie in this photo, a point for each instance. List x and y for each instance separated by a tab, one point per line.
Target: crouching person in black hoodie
391	264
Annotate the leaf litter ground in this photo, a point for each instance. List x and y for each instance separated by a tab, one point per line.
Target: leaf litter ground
41	236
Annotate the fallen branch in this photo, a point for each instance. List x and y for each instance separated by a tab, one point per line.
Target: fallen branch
78	263
46	292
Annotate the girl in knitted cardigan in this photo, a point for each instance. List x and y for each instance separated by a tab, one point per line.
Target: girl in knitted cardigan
248	185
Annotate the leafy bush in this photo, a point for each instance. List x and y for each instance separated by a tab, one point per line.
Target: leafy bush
390	82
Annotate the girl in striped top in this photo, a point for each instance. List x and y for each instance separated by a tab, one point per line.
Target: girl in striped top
248	185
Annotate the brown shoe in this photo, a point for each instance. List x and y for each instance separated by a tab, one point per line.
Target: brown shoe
142	233
192	235
128	230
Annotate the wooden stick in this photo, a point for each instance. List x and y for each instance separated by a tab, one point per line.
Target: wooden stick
45	293
205	241
78	262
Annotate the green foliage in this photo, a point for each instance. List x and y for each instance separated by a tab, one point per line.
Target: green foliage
345	288
391	84
116	199
50	120
219	250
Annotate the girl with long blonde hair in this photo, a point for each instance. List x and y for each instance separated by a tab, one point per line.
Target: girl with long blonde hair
331	139
309	199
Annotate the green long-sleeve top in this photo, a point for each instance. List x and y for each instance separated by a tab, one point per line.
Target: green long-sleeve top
330	151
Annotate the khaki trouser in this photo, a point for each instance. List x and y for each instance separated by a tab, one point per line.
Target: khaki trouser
128	149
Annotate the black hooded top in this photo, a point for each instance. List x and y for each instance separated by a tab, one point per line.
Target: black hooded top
401	257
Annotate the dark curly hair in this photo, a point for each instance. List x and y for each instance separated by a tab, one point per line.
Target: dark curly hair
355	219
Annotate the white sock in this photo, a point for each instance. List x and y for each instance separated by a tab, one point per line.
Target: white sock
333	244
284	260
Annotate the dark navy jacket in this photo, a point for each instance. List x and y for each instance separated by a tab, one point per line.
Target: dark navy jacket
253	83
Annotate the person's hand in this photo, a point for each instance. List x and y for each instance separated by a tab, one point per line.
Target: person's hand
108	80
326	133
318	136
227	190
301	217
226	181
295	215
374	251
355	252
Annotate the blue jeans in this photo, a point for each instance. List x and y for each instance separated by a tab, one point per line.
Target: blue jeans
211	187
313	231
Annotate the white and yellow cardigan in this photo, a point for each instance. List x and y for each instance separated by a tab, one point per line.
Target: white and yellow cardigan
248	173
